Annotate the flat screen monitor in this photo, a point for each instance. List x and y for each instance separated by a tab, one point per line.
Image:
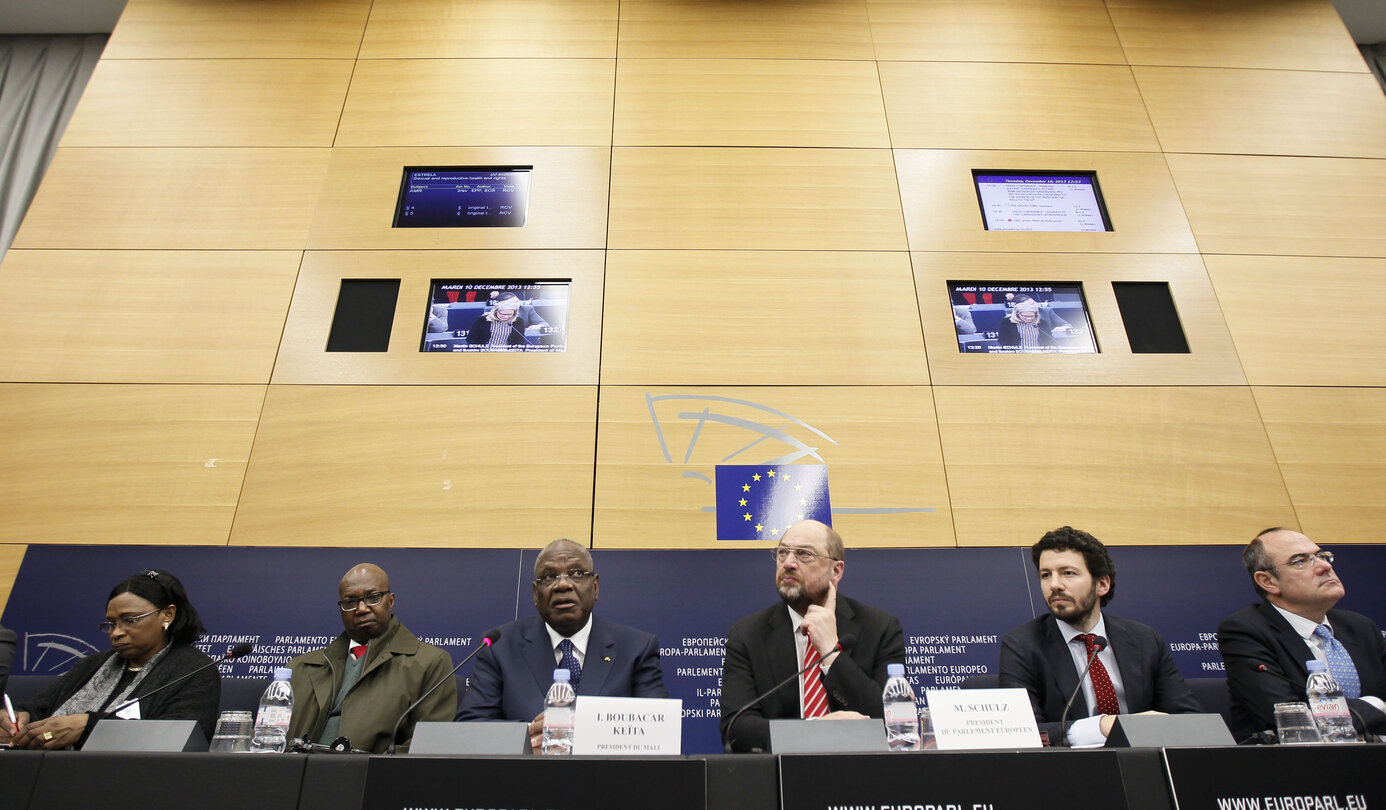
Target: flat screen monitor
497	315
1040	201
992	317
463	197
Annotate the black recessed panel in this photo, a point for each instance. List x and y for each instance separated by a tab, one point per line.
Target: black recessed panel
365	313
1152	322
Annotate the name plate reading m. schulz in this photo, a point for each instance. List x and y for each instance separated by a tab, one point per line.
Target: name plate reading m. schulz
612	726
982	718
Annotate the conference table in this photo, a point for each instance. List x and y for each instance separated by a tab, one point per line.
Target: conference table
1310	777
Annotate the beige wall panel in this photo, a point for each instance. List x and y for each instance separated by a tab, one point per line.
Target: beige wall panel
761	318
1068	31
755	29
211	102
143	316
238	29
1284	205
941	210
511	29
972	105
1153	466
1270	112
11	555
1331	445
1283	338
880	445
302	358
567	199
479	102
176	199
1287	34
420	466
755	199
148	464
748	102
1212	360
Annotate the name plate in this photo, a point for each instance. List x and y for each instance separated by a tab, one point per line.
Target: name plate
612	726
982	718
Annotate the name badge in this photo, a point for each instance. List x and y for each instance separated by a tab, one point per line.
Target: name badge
612	726
982	718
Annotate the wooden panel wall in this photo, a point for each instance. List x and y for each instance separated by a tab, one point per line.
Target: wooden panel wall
760	204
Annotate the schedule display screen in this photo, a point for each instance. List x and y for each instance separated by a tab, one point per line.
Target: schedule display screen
463	197
997	317
1041	201
497	315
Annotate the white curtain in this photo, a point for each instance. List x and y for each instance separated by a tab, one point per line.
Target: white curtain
1376	60
41	79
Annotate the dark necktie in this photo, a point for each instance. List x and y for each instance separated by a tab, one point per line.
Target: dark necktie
1101	681
569	662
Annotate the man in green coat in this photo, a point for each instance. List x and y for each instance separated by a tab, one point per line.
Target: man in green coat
363	681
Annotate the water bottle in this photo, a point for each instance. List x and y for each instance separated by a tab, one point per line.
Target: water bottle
558	714
1329	706
272	720
901	715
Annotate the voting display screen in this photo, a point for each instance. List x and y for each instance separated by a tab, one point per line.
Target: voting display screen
1032	318
497	315
463	197
1041	201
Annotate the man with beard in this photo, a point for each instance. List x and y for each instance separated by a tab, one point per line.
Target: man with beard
1134	673
1267	644
766	648
514	675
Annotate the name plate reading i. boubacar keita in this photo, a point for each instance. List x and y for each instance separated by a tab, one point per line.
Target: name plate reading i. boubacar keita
982	718
612	726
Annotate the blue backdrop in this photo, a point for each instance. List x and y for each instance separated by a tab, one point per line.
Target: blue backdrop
954	604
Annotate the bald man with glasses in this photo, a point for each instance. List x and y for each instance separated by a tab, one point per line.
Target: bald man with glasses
364	680
803	630
1265	645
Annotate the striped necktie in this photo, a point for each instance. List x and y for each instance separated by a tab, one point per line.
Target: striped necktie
815	696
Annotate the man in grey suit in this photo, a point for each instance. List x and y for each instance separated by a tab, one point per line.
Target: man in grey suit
1133	674
804	628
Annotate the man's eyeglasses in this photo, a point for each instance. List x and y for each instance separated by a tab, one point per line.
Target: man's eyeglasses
125	621
577	576
1298	561
803	555
370	600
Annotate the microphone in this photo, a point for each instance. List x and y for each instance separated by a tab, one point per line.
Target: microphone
491	637
1367	735
239	651
1099	643
843	642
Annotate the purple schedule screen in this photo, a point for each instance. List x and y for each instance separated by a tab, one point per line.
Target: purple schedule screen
444	197
1041	202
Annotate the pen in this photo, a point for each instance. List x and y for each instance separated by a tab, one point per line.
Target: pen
9	709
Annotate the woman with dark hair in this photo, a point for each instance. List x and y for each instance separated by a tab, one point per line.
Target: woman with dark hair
151	626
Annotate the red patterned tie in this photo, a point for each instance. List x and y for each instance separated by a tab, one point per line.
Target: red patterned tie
1101	681
815	696
359	650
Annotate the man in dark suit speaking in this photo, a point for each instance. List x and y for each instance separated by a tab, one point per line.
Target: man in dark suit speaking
1296	623
1133	674
513	676
803	629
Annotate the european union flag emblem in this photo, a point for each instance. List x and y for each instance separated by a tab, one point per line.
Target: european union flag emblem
758	502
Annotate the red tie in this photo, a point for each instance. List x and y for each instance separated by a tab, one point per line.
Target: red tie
1101	681
359	650
815	696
